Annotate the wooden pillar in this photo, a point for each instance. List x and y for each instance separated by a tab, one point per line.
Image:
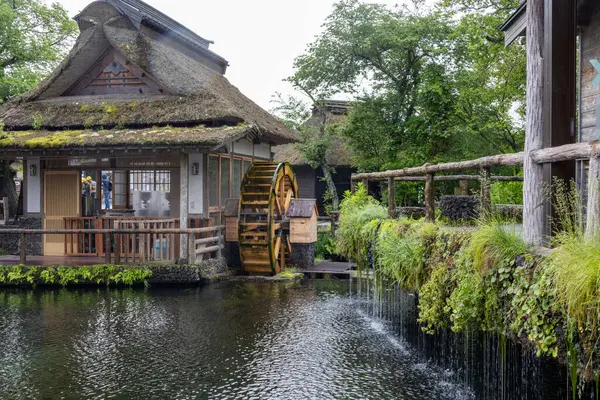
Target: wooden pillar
430	198
593	200
391	198
486	199
365	183
464	187
184	176
352	186
191	249
534	215
22	248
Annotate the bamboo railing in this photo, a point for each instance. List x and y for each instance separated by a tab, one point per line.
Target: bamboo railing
427	173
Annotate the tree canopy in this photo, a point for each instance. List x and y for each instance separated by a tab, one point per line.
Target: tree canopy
429	84
34	37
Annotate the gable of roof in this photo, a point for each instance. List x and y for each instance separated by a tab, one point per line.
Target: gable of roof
516	24
194	94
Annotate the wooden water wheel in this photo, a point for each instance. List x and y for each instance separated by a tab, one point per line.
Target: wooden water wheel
267	190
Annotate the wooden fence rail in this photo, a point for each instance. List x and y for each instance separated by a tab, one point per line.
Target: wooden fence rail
427	173
131	245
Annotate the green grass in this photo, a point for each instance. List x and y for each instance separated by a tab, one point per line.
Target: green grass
492	243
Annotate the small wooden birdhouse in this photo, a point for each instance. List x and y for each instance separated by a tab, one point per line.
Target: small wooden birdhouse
231	220
303	215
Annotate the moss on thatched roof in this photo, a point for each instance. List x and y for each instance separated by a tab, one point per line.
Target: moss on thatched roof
157	136
194	93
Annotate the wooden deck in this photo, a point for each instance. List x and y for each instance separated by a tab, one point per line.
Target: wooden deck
330	270
53	260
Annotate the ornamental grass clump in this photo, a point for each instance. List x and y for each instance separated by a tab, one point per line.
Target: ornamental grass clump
493	244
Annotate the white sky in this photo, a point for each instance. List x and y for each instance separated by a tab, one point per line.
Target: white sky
259	38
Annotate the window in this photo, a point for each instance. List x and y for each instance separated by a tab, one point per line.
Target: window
149	181
225	175
213	181
237	178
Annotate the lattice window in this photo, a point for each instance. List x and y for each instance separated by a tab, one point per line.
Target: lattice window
149	181
115	75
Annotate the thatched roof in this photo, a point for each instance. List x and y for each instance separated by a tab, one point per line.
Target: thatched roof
330	112
193	93
200	137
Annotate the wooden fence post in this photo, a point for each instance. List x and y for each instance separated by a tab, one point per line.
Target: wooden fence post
365	183
486	199
23	248
392	198
534	212
352	186
107	248
6	209
593	198
220	243
191	249
464	187
117	249
430	198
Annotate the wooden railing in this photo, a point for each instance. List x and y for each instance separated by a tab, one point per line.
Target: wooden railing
427	173
118	251
135	248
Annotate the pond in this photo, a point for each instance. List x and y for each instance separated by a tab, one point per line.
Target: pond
242	340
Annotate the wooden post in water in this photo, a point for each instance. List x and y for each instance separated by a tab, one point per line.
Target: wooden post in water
430	198
534	217
392	198
486	199
593	200
22	248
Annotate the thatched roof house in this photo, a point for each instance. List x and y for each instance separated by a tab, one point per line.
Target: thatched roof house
130	71
142	101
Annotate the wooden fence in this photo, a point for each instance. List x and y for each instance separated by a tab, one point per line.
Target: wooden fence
428	174
131	245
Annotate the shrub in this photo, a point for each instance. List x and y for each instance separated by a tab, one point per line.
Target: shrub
492	243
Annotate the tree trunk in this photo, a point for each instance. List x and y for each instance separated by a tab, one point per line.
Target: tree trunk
331	189
534	218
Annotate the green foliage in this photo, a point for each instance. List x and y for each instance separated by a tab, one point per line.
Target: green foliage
492	244
62	275
325	246
35	36
38	121
432	300
507	193
432	84
466	302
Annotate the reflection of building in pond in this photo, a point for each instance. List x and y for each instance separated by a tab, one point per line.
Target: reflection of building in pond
144	101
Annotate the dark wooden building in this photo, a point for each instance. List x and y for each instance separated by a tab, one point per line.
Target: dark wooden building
310	180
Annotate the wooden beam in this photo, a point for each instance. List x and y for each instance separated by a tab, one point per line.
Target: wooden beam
506	160
450	178
184	177
593	199
534	214
391	198
430	198
567	152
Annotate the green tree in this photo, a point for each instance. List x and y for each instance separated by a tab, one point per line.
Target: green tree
431	85
34	37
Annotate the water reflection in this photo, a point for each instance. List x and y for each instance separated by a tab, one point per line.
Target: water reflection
224	341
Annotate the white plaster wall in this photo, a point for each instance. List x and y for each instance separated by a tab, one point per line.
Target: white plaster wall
33	186
195	185
262	150
243	147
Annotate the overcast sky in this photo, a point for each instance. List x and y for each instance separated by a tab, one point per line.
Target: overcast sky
259	38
